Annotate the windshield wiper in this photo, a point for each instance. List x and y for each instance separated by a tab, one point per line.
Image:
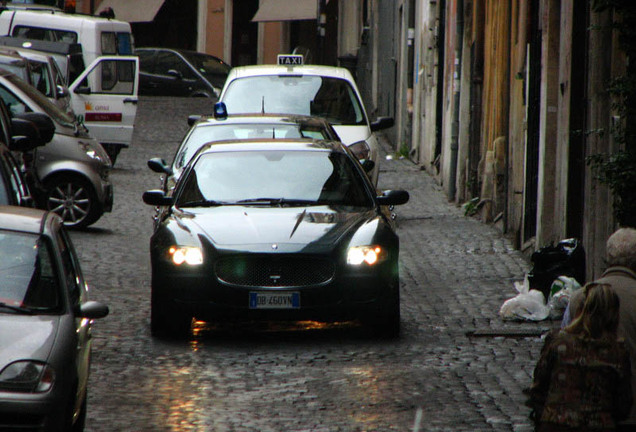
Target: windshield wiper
277	201
19	309
202	203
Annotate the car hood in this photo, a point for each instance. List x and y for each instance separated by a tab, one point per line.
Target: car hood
230	226
352	134
26	337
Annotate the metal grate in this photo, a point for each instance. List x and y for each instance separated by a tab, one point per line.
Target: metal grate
274	271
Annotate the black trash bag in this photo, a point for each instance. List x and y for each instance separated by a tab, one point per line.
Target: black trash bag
567	258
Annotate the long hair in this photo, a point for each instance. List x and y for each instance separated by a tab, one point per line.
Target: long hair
600	314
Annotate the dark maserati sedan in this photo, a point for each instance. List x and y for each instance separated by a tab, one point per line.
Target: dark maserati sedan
274	229
178	72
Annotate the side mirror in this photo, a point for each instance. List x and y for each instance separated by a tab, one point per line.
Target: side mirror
83	90
393	197
25	136
175	74
192	119
44	124
160	166
368	165
382	123
93	310
156	197
62	91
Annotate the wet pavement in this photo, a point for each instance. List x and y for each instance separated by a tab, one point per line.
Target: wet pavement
456	366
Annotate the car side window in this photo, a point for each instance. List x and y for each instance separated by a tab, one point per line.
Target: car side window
15	105
170	61
117	77
147	62
72	274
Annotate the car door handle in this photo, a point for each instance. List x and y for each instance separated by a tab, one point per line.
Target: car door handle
130	100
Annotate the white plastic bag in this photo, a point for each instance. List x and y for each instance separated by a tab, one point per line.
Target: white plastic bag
560	292
528	305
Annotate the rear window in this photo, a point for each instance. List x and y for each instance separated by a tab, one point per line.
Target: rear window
117	43
331	98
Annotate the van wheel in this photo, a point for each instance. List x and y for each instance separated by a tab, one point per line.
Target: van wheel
73	198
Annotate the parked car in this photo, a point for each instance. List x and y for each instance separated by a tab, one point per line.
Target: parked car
177	72
68	56
221	126
45	324
41	71
294	88
283	229
73	167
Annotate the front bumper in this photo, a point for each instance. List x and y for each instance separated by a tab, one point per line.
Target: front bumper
346	296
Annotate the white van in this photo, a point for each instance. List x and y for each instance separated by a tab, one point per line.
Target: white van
105	93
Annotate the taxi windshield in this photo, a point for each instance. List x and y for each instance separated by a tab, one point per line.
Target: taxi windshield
29	280
331	98
263	178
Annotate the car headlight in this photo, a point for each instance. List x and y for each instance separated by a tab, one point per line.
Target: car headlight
186	254
27	376
370	255
90	151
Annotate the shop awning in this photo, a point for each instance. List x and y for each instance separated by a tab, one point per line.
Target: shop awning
286	10
132	11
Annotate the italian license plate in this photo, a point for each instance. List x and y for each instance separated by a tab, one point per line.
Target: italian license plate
279	300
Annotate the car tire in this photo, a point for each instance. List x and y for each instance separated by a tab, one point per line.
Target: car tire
165	321
73	198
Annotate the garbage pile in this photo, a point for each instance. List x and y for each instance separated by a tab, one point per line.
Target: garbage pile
558	271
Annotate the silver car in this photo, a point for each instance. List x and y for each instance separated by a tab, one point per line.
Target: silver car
73	168
45	324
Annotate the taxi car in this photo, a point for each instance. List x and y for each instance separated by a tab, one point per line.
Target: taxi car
45	324
294	88
282	229
222	126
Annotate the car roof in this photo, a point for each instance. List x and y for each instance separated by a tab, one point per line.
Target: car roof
317	70
271	144
23	219
275	119
178	50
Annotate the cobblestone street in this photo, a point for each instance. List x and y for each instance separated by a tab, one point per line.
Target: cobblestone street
456	366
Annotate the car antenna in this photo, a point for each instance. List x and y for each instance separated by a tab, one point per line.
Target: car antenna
262	104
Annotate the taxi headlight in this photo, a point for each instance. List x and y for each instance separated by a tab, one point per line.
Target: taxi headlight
370	255
189	255
27	376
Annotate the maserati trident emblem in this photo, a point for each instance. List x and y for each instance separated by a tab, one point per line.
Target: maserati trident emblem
274	246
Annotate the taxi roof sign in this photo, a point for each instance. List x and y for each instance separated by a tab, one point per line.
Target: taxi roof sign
290	60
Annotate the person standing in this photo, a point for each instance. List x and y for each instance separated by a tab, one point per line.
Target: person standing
582	379
621	275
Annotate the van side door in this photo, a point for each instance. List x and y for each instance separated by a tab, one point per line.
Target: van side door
104	95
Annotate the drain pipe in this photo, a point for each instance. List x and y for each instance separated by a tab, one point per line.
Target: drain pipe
454	144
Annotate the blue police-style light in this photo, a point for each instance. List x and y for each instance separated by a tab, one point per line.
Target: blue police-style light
220	110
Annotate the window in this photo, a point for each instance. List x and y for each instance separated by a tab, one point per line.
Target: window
42	33
27	271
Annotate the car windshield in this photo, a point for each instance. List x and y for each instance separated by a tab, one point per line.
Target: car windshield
202	134
271	177
49	107
29	281
210	67
331	98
